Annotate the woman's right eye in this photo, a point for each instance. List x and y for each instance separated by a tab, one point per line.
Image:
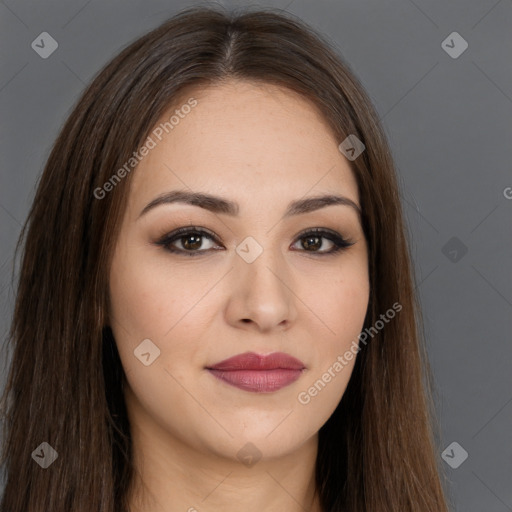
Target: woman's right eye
190	239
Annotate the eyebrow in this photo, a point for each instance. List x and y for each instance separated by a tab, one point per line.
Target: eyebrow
219	205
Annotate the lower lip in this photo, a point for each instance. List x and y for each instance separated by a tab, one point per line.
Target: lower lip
258	381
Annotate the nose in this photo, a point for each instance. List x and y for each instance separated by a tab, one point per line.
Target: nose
261	294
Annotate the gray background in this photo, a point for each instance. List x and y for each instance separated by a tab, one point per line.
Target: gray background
448	122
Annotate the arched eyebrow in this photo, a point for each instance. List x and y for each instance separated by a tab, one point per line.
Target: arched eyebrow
220	205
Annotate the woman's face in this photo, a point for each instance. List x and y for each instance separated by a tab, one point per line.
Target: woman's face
248	277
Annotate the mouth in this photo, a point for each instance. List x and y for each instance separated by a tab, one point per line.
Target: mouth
258	373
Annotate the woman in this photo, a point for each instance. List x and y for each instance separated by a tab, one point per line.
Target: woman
216	306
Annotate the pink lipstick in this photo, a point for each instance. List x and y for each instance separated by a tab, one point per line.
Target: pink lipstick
258	373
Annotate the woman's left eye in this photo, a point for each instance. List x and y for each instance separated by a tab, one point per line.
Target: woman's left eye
191	240
313	239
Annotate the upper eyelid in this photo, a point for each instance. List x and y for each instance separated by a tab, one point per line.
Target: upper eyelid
202	230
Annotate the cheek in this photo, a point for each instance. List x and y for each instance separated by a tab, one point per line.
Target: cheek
137	301
148	298
342	308
151	300
341	303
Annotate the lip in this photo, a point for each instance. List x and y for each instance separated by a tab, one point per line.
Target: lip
258	373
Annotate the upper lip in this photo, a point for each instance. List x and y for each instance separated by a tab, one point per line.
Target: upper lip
253	361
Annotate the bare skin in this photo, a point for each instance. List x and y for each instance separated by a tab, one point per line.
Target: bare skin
261	147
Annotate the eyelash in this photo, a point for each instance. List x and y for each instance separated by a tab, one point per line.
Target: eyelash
340	243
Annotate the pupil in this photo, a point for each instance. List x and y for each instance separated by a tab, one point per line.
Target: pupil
316	244
195	244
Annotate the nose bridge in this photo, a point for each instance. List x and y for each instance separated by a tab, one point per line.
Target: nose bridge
261	266
261	289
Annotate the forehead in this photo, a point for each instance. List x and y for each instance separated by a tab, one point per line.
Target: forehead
247	141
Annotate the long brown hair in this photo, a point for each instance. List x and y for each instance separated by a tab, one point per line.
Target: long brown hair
377	452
